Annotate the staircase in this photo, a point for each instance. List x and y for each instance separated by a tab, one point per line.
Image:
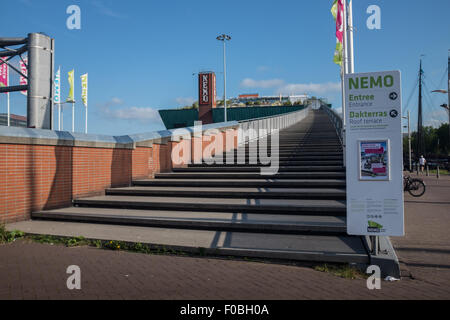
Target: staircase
297	214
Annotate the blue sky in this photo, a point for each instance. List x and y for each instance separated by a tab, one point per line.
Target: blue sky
141	55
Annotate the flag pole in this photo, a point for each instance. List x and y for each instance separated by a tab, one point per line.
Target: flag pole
86	130
73	103
73	116
350	30
59	99
344	71
7	96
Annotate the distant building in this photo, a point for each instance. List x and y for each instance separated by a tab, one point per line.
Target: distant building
256	99
15	120
248	96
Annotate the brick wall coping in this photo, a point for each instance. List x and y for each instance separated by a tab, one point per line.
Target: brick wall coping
16	135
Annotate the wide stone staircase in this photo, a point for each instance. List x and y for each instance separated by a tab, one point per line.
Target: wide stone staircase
233	210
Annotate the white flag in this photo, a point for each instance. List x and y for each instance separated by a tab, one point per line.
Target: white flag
23	68
84	89
58	86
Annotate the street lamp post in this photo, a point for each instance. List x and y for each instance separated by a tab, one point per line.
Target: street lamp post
224	38
447	107
409	139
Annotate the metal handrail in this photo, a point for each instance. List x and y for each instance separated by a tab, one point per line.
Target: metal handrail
337	121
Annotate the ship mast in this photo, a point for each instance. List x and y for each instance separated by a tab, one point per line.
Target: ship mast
420	139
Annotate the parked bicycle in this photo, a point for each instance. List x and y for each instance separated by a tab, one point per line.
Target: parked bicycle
416	187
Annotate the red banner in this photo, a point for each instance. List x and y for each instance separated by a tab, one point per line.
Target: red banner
340	21
3	73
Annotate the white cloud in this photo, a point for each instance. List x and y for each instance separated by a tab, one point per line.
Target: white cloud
142	114
185	101
262	68
291	88
103	9
263	84
318	88
116	101
436	118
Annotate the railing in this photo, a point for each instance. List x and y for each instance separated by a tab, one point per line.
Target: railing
261	127
337	121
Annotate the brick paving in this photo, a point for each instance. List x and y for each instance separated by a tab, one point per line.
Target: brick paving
30	270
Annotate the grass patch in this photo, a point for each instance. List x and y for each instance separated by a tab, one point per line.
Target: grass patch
343	271
103	244
441	171
66	241
9	236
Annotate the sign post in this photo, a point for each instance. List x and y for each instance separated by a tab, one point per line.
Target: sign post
374	157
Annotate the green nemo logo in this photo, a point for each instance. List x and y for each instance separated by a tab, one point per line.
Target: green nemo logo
375	225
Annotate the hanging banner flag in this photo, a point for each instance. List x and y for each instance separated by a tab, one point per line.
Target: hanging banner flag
84	89
58	87
71	97
337	10
3	73
24	69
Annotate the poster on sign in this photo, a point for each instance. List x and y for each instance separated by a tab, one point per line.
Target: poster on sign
374	160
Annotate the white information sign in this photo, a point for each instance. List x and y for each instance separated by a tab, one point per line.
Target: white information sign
374	156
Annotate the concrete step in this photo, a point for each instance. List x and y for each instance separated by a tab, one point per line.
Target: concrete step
221	221
286	157
298	147
276	206
256	193
289	153
258	183
312	248
215	168
250	175
284	163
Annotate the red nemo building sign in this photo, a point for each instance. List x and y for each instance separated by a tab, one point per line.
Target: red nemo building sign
207	89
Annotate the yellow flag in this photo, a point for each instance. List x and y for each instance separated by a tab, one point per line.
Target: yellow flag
84	89
71	98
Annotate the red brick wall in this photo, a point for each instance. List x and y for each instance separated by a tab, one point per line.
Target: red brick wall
35	177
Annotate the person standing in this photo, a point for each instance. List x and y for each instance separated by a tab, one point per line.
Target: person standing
422	162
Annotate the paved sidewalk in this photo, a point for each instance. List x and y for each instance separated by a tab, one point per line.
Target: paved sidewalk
36	271
425	250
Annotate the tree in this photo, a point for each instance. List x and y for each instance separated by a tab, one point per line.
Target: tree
436	142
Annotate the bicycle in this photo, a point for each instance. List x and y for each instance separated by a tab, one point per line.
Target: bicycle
416	187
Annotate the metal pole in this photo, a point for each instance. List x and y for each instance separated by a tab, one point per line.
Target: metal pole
73	116
225	81
40	62
345	40
7	97
52	85
86	128
344	71
59	116
409	141
351	64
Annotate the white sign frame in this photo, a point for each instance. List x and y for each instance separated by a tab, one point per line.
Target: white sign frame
374	113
